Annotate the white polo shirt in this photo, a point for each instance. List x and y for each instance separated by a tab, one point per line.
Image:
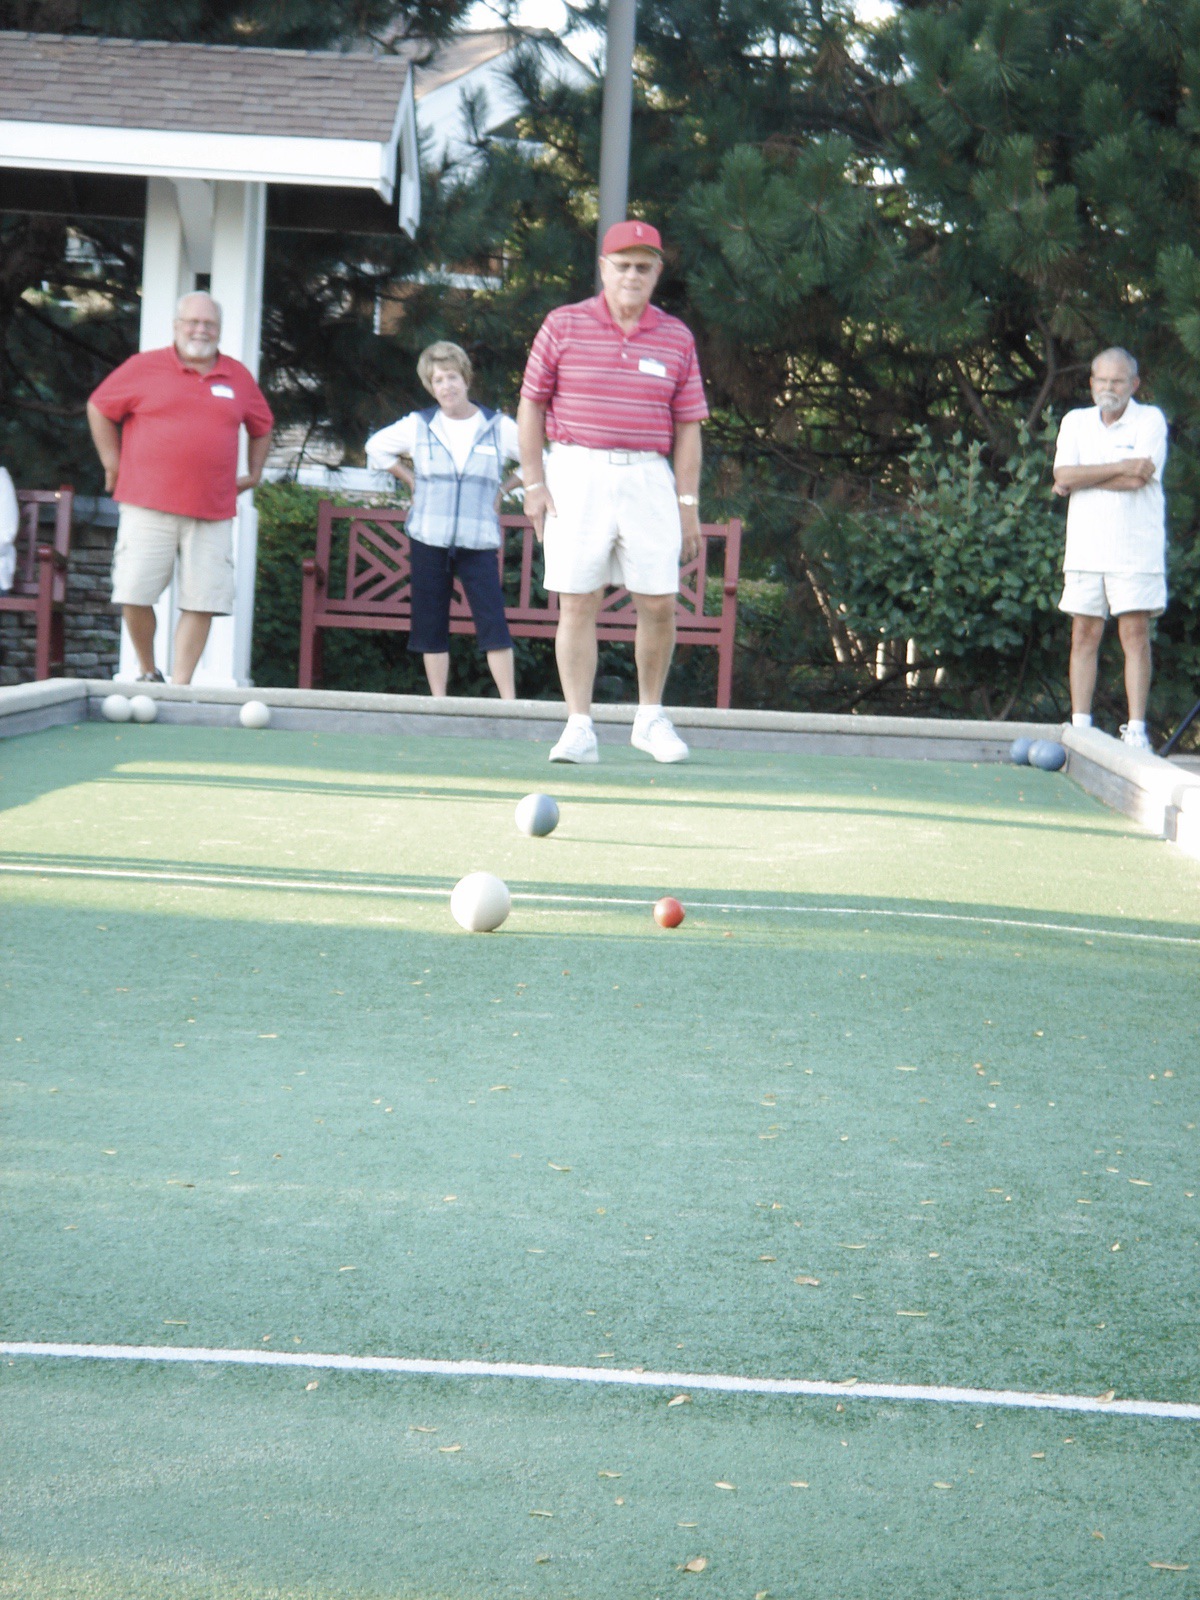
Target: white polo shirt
1115	530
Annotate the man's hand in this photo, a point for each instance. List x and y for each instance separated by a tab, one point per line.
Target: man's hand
689	520
403	474
106	436
539	504
257	450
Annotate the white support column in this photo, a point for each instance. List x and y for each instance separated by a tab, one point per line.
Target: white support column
167	273
238	249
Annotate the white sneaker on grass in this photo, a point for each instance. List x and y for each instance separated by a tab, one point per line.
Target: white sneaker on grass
577	743
655	734
1135	738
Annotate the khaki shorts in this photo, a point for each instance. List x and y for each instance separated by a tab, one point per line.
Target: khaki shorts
1103	594
148	543
617	521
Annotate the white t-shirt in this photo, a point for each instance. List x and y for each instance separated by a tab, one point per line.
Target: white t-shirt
10	523
456	433
1115	530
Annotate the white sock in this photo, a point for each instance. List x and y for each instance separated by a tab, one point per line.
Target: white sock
579	719
647	713
1081	719
1136	727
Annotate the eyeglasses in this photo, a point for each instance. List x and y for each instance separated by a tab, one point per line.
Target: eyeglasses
640	269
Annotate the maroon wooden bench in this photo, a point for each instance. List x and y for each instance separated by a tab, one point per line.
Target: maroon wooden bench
40	582
374	591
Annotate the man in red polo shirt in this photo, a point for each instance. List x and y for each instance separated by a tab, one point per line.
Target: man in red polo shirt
165	425
614	385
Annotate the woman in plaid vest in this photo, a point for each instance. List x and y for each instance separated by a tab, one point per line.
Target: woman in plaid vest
458	452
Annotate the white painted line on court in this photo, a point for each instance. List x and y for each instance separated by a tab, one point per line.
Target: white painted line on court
937	1394
226	880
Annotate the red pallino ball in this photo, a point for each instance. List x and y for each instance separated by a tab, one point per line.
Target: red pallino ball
668	913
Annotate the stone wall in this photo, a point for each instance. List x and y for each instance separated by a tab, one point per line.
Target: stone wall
93	626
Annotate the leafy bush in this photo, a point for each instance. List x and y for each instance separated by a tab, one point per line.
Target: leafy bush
966	568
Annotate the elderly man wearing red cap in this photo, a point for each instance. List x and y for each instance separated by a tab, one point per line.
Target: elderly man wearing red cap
614	385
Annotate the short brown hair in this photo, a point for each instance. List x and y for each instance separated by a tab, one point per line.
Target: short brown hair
443	354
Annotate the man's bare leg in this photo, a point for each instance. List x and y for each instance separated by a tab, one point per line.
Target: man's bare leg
140	621
575	649
437	670
1134	630
191	635
654	645
500	665
1086	634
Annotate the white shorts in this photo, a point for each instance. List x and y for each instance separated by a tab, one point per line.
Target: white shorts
148	543
617	521
1102	594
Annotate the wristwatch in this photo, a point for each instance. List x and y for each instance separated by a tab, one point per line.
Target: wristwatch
688	499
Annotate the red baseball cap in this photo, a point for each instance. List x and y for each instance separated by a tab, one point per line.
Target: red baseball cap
631	236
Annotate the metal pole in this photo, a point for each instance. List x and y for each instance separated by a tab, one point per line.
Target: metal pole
617	115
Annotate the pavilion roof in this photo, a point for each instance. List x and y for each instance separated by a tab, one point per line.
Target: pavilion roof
202	88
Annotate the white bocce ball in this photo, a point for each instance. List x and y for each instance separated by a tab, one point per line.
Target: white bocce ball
116	708
255	714
537	815
480	902
143	708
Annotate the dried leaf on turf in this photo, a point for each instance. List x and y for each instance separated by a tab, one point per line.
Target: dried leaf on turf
768	1258
555	1168
541	1513
696	1564
1109	1394
943	1486
813	1283
1096	1534
309	1387
680	1400
417	1428
1169	1566
721	1484
604	1474
798	1483
449	1449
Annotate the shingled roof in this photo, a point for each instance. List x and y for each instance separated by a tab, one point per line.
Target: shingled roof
201	88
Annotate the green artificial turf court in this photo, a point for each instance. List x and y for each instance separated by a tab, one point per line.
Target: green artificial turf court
909	1099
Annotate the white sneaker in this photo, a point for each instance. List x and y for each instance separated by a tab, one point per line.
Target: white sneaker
577	744
657	737
1135	738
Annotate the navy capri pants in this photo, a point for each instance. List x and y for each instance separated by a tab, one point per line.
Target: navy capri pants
433	571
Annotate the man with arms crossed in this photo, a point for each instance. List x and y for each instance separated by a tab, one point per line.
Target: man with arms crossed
614	384
165	426
1110	460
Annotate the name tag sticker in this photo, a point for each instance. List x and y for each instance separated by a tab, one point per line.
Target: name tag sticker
654	368
223	391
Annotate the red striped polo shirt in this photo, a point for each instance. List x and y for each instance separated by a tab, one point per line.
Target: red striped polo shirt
611	390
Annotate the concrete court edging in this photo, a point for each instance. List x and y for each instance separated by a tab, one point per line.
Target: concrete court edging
1159	796
328	711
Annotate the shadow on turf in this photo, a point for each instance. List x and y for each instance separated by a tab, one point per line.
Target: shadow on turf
434	791
890	911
